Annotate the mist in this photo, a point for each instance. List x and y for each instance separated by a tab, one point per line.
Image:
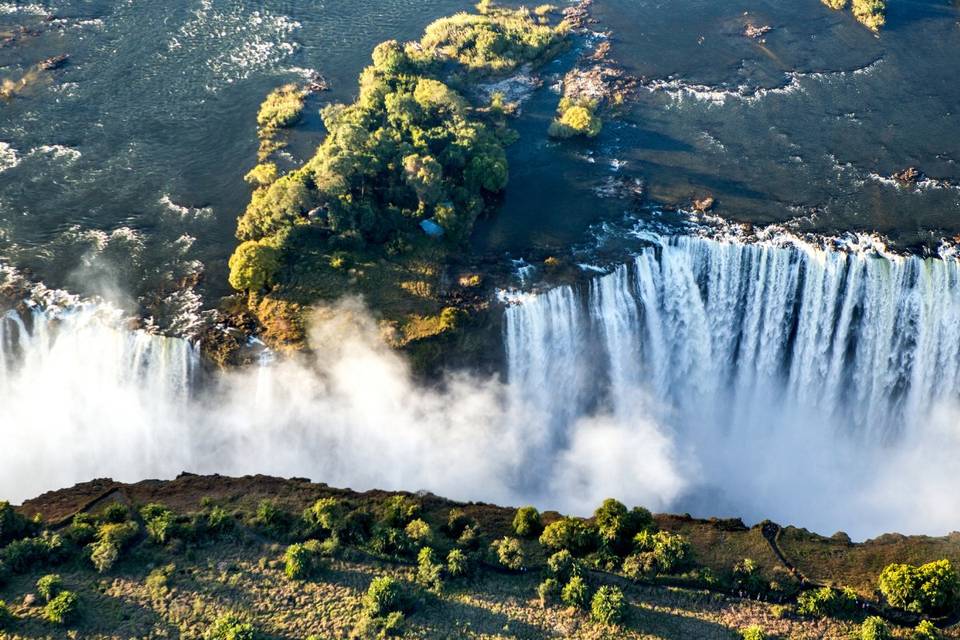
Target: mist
84	398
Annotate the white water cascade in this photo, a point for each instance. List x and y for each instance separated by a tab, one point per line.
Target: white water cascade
767	366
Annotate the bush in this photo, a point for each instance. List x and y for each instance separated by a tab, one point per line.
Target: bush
49	586
231	626
13	526
874	628
933	588
827	602
526	522
562	565
384	596
6	616
746	577
871	13
457	523
470	538
608	606
63	609
419	531
302	561
926	631
25	555
754	632
458	564
399	511
576	593
576	119
671	550
82	529
158	581
281	108
572	534
509	553
641	566
391	542
326	516
429	570
617	526
160	522
111	539
114	513
548	590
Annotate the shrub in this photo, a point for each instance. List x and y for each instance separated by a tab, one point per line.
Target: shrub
827	602
575	593
231	626
49	586
24	555
399	511
419	531
6	616
158	581
111	539
571	534
470	538
874	628
82	529
13	525
933	588
63	609
263	174
641	566
114	513
458	564
747	577
608	606
576	119
509	553
160	522
391	542
326	515
548	590
302	561
671	550
526	522
357	527
617	526
384	596
754	632
429	570
457	523
926	631
562	565
836	4
281	108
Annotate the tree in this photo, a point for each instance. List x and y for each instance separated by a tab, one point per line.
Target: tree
62	609
389	58
231	626
575	535
870	13
384	596
617	526
671	550
576	119
933	588
253	265
509	553
926	630
874	628
425	176
575	593
527	523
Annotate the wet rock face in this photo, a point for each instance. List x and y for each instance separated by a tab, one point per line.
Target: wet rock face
910	175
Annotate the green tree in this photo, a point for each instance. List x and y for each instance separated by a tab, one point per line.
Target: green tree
509	553
576	593
874	628
926	630
253	265
49	586
231	626
384	596
527	523
575	535
63	609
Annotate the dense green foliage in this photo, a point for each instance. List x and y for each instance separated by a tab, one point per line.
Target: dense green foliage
458	564
926	631
231	626
608	606
509	553
548	591
527	523
871	13
576	593
302	561
671	551
49	586
411	148
576	119
617	526
62	609
384	596
429	570
13	526
827	602
753	633
571	534
6	616
933	588
25	554
874	628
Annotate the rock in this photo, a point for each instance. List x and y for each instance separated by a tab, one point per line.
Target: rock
54	62
755	32
317	83
910	175
704	204
29	600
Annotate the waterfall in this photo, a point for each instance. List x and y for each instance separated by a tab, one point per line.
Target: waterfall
748	355
83	394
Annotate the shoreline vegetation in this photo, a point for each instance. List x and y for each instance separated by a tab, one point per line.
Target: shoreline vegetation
870	13
385	206
258	557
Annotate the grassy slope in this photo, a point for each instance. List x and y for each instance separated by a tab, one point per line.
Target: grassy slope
247	575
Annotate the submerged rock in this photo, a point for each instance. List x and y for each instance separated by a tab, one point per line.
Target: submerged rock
755	32
53	62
